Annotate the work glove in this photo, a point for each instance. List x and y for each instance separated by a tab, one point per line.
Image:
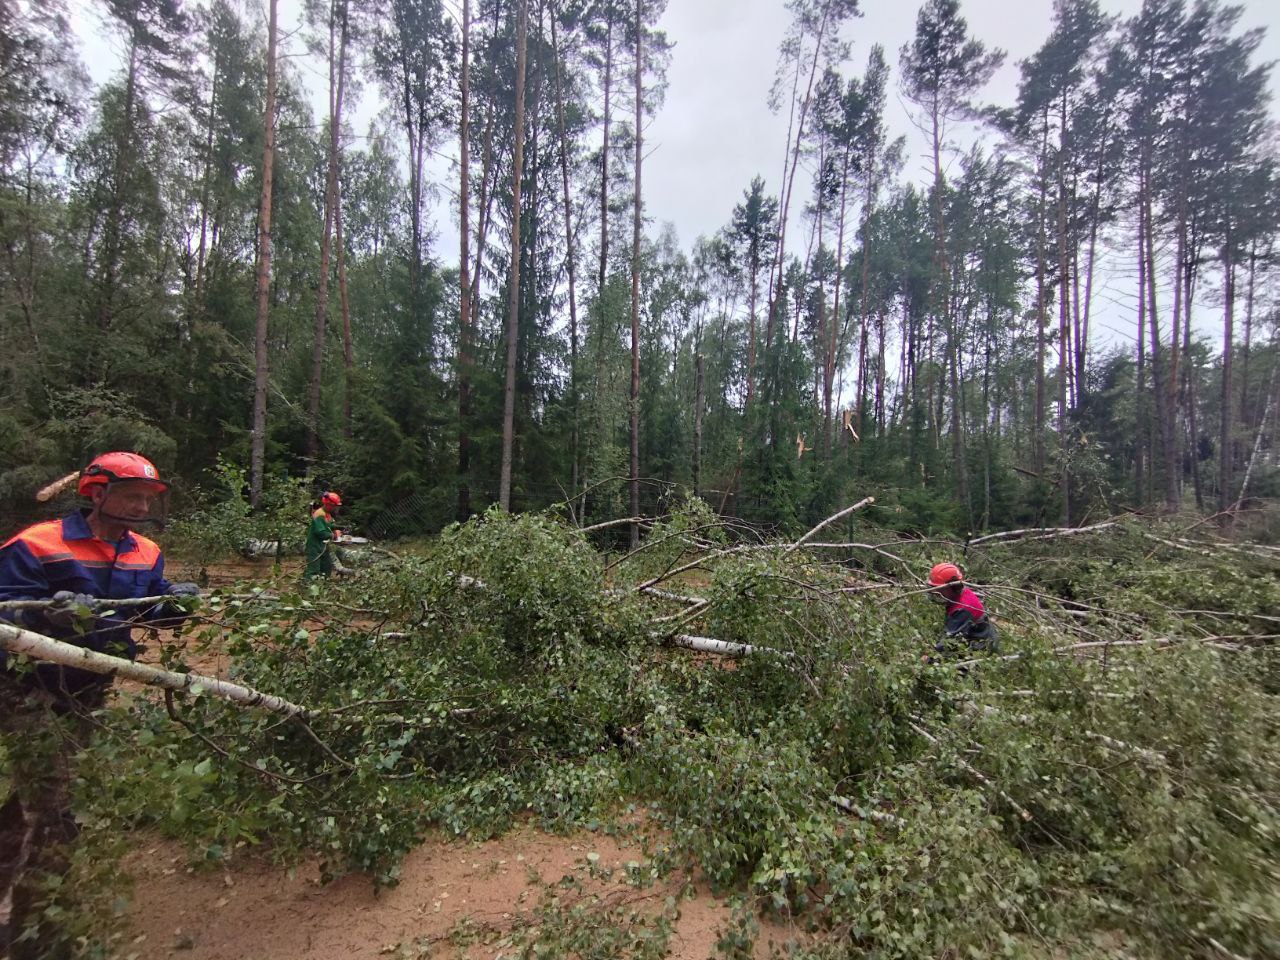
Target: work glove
170	616
67	609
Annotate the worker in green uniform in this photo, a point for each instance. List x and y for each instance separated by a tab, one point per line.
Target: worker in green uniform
321	534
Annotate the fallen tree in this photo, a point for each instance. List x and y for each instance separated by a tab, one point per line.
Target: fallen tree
512	672
39	647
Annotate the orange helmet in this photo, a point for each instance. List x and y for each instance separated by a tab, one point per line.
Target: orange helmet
945	573
117	466
331	499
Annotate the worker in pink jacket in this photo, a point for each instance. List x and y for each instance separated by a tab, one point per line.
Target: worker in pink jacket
966	618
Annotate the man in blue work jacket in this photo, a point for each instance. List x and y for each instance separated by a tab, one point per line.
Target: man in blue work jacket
91	555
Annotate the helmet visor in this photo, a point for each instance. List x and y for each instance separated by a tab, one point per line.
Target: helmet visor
136	503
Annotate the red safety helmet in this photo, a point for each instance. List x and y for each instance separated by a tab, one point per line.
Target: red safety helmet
331	499
945	573
118	466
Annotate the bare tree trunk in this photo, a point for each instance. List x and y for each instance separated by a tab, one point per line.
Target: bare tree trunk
753	257
258	437
488	185
942	304
822	388
635	281
121	164
1159	374
1175	395
206	180
513	282
604	165
1189	401
1140	400
326	240
1257	439
775	289
570	263
1082	337
348	354
1247	346
830	366
1037	445
1065	366
1228	322
464	275
602	275
864	307
699	401
880	374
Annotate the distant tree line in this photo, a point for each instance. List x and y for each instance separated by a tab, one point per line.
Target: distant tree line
194	265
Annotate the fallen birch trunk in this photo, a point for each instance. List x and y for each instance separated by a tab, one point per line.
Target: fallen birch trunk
1151	756
982	778
866	501
707	644
105	603
879	816
40	647
710	645
1041	533
96	603
674	597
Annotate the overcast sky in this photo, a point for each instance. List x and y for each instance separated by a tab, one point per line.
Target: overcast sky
715	132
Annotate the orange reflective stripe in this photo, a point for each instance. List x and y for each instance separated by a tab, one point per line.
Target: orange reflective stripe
90	552
46	543
42	538
146	553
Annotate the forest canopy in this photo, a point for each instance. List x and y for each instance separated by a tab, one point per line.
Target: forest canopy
197	264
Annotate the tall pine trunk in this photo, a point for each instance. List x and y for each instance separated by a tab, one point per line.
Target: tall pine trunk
207	178
1228	333
1189	382
570	264
464	276
1141	428
775	288
942	303
864	306
1159	371
753	266
122	164
344	304
1037	444
1065	368
513	281
604	167
635	281
258	436
336	69
1247	347
602	273
699	401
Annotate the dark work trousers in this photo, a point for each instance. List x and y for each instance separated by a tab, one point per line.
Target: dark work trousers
42	733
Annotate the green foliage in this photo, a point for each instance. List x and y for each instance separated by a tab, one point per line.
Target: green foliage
886	805
227	522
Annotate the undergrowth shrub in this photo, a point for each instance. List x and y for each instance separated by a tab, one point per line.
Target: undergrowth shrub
1108	782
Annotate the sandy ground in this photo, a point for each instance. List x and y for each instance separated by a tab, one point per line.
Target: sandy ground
456	899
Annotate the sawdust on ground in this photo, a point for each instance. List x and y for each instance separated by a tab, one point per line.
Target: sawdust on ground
456	899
